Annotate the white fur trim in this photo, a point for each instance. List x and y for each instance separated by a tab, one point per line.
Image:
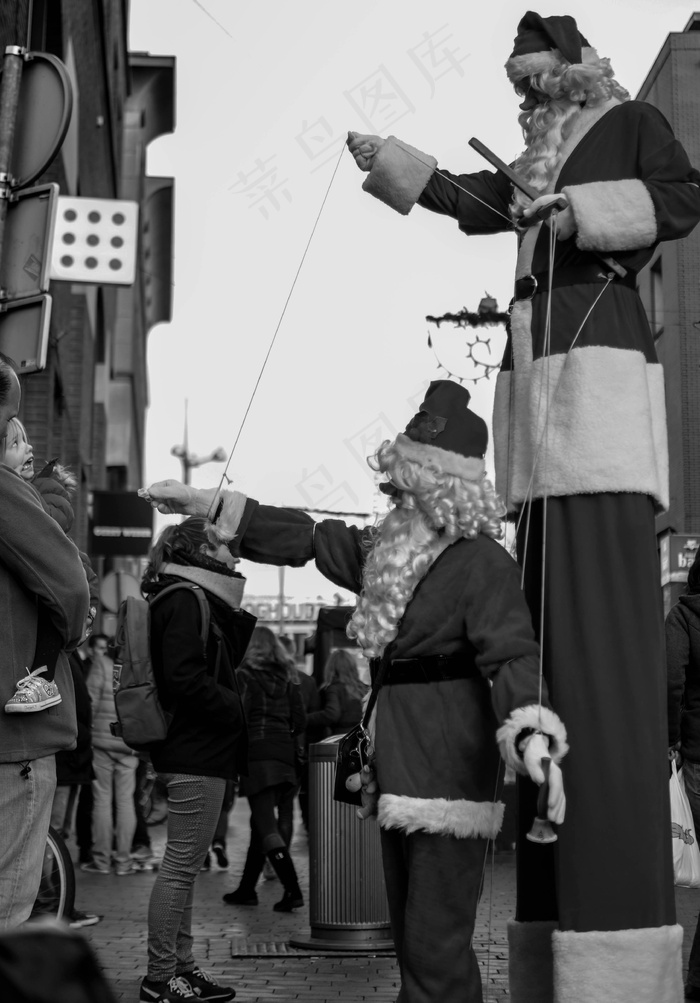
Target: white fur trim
532	716
471	468
613	215
597	439
529	63
619	966
530	971
226	526
399	174
463	819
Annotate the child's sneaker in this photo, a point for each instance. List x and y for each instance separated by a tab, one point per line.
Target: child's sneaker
33	694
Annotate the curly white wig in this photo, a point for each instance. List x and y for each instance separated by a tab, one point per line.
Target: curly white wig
433	509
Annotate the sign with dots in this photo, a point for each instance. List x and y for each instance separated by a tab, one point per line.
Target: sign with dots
95	240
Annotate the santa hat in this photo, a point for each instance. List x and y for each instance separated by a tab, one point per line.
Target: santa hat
445	434
542	42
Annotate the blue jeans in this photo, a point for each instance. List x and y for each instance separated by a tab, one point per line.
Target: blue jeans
691	778
194	806
25	811
114	784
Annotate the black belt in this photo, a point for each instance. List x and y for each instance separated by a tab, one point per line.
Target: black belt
429	669
528	285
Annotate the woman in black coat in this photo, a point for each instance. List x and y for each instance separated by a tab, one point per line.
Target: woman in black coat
275	718
341	694
205	743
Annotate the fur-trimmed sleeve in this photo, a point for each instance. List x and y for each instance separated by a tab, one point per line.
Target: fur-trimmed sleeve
399	174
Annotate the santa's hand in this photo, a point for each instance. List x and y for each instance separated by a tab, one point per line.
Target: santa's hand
537	749
557	212
370	793
173	498
364	148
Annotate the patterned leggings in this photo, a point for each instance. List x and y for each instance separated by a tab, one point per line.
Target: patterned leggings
194	805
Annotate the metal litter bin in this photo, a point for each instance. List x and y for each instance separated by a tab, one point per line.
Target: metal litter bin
348	908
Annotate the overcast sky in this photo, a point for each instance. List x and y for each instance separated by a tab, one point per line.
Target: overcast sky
265	95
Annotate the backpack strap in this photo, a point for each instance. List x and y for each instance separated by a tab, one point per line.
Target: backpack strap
205	617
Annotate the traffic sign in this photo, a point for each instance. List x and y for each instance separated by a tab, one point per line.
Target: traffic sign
29	226
24	332
43	116
115	587
95	240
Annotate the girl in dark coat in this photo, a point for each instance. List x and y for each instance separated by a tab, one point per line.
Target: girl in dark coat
205	744
275	716
342	694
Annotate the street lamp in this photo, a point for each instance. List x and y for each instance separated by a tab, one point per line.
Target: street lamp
190	460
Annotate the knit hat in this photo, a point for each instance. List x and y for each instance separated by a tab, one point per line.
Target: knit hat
543	41
445	434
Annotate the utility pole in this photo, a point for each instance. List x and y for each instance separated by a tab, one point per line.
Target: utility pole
12	63
190	460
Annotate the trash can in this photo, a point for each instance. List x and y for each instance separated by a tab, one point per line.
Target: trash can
348	908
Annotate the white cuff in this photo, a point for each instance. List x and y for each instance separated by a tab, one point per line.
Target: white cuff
540	719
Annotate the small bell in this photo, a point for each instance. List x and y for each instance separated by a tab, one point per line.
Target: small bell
542	831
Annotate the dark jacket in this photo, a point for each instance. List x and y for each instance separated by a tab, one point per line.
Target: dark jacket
275	717
341	711
75	767
683	674
207	734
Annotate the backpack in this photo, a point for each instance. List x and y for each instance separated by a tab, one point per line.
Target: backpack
142	718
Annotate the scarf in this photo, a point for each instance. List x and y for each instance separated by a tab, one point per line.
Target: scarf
227	587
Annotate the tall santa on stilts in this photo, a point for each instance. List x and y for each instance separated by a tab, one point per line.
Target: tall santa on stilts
581	458
440	604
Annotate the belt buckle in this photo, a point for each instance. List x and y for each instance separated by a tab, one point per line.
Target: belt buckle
533	281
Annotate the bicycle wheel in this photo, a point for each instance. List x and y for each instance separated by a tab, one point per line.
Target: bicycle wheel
57	889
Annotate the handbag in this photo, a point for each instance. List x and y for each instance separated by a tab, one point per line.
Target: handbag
686	855
355	749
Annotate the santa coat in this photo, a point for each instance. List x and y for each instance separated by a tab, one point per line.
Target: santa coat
582	422
470	603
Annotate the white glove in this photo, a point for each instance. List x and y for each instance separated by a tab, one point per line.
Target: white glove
561	220
173	498
364	148
536	749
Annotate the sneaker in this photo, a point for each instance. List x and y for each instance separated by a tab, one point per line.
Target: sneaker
165	992
220	854
77	919
205	988
33	694
90	867
124	867
206	863
142	859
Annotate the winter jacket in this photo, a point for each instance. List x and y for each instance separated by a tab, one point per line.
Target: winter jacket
275	717
683	674
100	684
469	604
341	711
630	185
207	734
38	563
75	766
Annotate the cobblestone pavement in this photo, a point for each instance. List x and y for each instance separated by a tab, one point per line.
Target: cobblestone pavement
248	947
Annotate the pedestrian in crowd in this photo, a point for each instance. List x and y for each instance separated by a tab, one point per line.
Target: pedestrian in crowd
37	689
96	645
141	848
205	744
342	693
114	765
441	609
39	567
683	678
580	441
312	733
275	717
